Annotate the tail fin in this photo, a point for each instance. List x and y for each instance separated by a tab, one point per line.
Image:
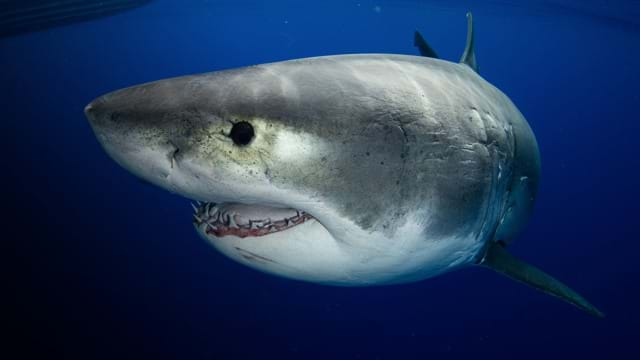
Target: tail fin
497	258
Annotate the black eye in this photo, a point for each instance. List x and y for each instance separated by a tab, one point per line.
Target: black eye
241	133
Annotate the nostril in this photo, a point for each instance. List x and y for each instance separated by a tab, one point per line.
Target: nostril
115	116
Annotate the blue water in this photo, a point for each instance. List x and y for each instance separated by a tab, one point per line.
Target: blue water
103	266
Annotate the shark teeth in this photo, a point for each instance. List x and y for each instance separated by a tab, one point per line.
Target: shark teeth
213	219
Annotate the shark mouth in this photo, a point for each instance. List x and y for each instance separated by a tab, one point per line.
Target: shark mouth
243	220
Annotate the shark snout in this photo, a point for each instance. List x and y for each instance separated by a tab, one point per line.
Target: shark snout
93	109
136	128
116	111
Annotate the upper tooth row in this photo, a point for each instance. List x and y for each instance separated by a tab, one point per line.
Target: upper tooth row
209	209
213	214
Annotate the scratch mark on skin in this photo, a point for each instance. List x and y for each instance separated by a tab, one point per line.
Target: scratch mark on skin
404	132
248	255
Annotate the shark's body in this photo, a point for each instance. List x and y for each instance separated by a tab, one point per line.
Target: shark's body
346	170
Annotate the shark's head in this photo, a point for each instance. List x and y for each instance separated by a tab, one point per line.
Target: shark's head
311	175
281	190
278	189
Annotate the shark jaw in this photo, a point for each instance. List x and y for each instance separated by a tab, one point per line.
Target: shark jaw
241	220
278	239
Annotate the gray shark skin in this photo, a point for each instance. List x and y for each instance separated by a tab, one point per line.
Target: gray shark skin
357	169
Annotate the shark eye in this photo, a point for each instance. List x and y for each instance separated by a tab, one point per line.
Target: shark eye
242	133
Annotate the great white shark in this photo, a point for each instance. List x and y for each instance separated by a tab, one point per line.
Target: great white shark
347	170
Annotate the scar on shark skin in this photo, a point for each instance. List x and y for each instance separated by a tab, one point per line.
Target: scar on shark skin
252	256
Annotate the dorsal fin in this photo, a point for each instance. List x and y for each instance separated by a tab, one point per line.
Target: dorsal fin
423	46
497	258
469	55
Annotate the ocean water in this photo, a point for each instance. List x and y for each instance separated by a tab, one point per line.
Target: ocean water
101	265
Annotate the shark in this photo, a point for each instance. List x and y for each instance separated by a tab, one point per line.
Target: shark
346	170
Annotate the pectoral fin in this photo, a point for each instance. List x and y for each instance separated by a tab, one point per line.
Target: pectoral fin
498	259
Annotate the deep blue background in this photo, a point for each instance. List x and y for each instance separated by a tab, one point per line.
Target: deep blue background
103	266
